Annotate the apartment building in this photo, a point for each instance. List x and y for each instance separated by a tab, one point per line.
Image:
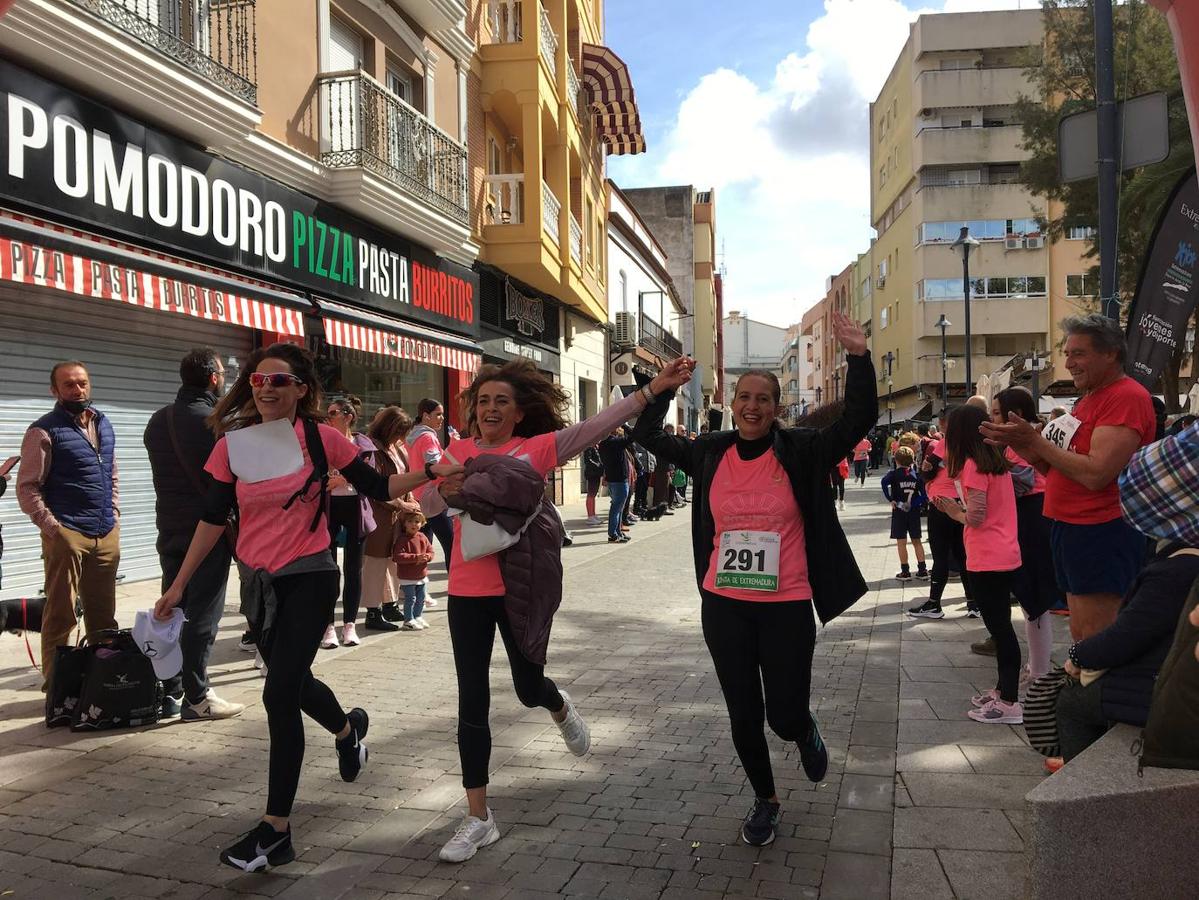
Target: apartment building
684	221
813	328
547	102
945	148
645	309
794	370
229	174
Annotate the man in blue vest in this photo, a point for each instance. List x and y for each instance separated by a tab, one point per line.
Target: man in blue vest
68	486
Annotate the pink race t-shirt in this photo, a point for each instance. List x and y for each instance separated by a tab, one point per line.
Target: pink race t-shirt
940	485
991	546
862	450
426	448
482	577
270	537
755	495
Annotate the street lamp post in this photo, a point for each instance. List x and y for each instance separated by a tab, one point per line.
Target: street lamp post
944	323
889	359
963	245
836	385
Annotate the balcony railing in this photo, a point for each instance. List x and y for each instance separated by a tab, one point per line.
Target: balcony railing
506	20
576	240
573	87
657	340
217	39
551	206
505	199
367	126
549	42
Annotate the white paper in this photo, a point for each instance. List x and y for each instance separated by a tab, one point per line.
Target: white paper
266	451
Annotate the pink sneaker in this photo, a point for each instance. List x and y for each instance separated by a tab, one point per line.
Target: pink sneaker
981	700
349	635
999	713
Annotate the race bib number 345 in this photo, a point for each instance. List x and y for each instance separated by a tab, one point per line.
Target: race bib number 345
1060	431
748	560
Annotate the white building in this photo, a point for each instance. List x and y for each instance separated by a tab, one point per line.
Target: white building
644	307
749	344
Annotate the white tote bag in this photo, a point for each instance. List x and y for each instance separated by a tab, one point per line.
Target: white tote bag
477	540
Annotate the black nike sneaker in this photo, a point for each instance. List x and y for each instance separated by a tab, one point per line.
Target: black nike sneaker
351	752
261	849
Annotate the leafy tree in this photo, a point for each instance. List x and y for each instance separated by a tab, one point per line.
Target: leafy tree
1063	73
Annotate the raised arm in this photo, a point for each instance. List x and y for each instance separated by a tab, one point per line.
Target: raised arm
861	395
574	440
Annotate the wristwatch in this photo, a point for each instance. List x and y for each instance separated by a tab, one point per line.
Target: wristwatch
429	472
647	394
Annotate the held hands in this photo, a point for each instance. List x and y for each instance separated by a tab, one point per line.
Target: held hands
451	484
428	557
674	374
849	334
447	470
951	508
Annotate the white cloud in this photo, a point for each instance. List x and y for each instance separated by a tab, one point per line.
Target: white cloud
789	159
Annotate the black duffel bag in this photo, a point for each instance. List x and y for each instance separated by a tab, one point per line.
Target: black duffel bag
106	682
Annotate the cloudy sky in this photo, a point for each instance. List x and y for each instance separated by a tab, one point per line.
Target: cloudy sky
766	101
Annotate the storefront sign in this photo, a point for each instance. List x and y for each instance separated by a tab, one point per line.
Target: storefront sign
527	313
1166	294
27	263
66	154
521	350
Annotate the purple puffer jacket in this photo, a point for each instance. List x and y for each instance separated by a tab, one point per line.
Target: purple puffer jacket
509	491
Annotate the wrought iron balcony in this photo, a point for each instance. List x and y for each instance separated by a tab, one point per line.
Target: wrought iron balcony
364	125
217	39
657	340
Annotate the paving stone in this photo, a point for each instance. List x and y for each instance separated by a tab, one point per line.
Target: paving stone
974	791
867	792
856	876
917	875
931	758
984	874
862	831
956	829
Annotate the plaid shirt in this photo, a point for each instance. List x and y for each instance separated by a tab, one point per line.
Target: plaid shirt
1159	488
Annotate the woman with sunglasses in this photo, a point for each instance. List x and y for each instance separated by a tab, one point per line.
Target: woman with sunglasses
289	578
351	520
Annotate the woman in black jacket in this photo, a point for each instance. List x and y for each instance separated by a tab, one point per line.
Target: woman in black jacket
1131	650
768	547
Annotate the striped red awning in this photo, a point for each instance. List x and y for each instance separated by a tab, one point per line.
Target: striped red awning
355	329
612	100
211	294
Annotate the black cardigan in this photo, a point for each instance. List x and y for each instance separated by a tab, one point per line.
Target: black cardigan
807	455
1133	648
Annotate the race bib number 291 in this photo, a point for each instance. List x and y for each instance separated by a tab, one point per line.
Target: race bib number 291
748	560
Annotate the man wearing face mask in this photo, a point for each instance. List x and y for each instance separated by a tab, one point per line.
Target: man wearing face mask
68	486
179	442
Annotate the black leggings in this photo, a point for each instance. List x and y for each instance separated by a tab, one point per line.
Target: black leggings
859	470
473	621
945	541
305	605
757	645
993	595
1036	582
838	485
347	512
441	527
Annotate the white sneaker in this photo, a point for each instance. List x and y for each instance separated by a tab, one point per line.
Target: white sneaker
260	663
349	635
842	506
595	520
329	641
430	603
472	835
211	707
410	625
421	623
574	730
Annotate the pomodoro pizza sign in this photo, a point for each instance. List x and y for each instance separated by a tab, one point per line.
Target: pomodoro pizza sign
63	153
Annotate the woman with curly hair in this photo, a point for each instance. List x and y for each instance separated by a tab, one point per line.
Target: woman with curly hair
511	409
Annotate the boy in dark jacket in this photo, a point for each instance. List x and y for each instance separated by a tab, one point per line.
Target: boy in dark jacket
904	488
412	554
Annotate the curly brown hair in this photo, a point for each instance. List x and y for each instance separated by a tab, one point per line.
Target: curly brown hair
543	402
237	410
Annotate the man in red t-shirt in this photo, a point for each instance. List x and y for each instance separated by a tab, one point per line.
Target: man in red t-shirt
1095	552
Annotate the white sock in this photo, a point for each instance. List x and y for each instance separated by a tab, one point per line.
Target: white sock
1040	644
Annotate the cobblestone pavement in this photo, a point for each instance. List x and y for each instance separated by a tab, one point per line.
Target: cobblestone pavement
919	801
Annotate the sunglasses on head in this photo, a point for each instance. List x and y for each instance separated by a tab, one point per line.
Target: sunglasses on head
341	411
274	379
